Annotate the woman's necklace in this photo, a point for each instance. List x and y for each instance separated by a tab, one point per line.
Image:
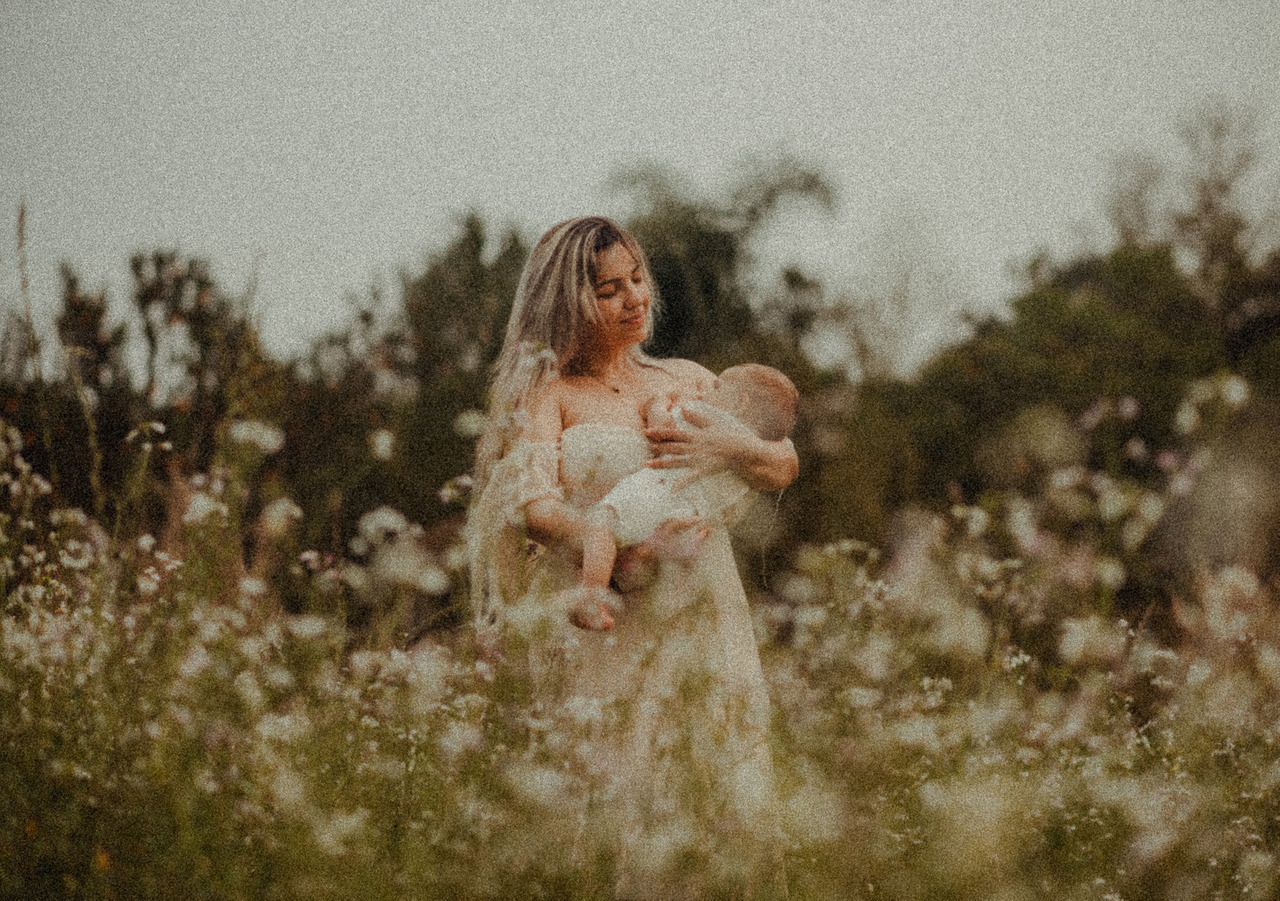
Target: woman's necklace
616	389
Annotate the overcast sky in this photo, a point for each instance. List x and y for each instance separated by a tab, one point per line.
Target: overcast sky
326	144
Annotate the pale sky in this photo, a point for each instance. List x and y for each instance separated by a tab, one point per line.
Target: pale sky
326	145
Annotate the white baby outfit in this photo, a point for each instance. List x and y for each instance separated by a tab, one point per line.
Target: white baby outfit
648	497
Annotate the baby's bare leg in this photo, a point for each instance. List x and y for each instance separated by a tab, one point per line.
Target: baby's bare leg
599	551
590	603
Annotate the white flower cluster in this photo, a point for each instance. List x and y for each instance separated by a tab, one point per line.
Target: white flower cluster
264	436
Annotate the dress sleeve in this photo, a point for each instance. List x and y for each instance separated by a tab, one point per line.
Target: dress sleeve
497	543
535	467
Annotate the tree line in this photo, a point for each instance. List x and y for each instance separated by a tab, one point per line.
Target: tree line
1089	371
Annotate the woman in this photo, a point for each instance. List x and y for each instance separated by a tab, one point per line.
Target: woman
684	737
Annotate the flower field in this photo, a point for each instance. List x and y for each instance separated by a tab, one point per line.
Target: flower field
965	719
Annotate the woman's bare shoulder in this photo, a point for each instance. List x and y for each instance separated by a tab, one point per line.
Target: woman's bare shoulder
546	412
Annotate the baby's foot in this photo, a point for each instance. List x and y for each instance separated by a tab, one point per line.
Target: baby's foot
589	608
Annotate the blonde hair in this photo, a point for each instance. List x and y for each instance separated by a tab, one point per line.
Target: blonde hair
767	401
552	319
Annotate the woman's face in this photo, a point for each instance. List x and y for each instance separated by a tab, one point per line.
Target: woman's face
622	296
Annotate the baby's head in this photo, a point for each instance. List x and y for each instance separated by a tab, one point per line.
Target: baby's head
761	397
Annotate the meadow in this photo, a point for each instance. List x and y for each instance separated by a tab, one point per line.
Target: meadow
960	717
1018	613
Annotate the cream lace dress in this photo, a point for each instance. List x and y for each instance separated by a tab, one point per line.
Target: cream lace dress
677	739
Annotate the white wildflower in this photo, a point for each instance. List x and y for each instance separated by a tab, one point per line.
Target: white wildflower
146	543
364	665
284	727
976	520
862	698
202	506
1090	639
918	732
1186	419
76	555
429	668
381	524
1151	506
583	711
456	489
279	678
810	616
404	562
458	738
381	444
1198	673
266	437
1234	391
253	587
798	589
1133	533
1109	572
873	659
1021	522
148	581
196	662
247	688
1136	449
68	516
308	627
209	632
355	577
332	833
289	789
470	424
1091	418
539	785
278	515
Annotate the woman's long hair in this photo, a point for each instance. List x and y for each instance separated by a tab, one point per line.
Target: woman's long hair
549	331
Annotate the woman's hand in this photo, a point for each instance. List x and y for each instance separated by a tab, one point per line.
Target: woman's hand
712	441
675	539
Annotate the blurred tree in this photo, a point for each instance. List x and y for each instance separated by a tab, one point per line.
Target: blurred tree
700	252
94	350
93	469
455	313
205	364
1185	293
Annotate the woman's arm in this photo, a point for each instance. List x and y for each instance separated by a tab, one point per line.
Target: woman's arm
713	441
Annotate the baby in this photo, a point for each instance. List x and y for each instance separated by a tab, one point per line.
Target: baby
761	398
